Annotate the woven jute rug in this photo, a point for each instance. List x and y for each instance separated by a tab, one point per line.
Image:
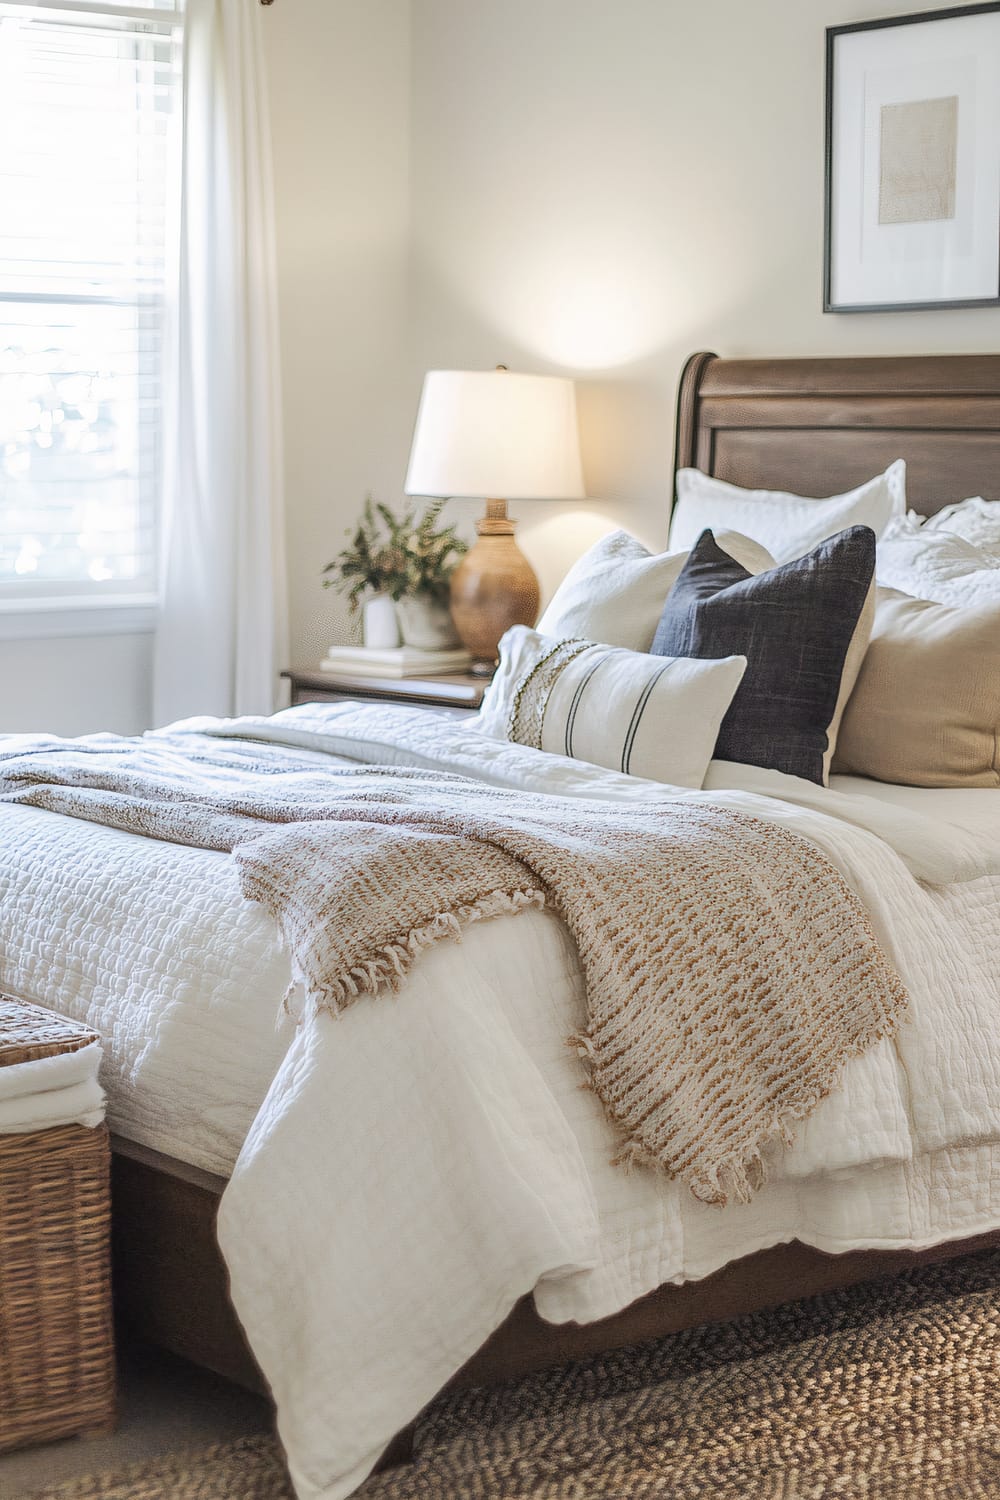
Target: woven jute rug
888	1391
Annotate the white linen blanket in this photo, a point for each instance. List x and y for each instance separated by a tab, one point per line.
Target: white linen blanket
730	970
468	1086
367	1261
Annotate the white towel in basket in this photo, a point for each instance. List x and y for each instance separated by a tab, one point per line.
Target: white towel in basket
60	1090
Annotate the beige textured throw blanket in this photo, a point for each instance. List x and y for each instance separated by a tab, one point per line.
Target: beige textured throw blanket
730	971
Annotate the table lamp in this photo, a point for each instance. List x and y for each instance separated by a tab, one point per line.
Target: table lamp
484	435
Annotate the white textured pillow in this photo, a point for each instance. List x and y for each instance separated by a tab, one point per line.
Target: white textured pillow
652	716
936	563
789	526
616	591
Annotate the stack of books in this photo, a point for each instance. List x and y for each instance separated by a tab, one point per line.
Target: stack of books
399	661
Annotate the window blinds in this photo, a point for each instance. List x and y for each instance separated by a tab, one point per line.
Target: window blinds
88	99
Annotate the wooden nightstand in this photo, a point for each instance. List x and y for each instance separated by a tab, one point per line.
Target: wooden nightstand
457	694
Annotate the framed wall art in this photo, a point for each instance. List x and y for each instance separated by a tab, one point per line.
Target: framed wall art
913	162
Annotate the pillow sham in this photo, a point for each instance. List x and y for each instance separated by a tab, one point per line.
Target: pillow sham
926	707
803	628
623	710
936	563
615	592
787	525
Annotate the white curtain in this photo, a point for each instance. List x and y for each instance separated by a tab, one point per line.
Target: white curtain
222	632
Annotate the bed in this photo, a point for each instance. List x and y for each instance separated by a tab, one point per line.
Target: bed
812	426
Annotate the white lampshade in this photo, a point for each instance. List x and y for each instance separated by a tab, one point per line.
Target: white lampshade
484	434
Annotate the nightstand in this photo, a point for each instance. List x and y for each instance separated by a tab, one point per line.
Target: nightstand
456	695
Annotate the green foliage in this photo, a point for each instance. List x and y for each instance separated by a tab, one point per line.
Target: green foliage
396	555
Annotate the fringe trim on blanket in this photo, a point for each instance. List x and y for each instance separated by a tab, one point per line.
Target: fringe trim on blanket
388	966
731	1175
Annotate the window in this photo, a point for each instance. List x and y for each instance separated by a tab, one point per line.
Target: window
88	98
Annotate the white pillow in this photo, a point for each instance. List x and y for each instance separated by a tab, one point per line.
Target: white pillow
937	564
652	716
789	526
617	590
976	521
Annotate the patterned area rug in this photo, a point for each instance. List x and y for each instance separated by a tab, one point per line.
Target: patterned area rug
888	1391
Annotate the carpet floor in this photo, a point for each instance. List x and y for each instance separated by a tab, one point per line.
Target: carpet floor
887	1391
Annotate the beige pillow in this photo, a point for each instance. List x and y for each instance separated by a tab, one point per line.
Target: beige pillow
926	707
853	662
615	592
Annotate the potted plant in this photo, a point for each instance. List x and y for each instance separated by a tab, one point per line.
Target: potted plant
403	564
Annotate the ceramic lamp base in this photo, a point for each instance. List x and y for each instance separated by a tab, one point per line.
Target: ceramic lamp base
493	588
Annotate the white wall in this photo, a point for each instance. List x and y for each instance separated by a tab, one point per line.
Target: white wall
339	79
603	186
75	684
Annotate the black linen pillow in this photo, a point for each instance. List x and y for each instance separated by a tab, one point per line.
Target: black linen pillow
804	629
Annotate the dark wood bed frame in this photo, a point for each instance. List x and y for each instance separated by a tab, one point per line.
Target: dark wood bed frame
811	426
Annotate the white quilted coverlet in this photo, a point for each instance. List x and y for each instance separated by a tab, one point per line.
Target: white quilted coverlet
153	946
422	1162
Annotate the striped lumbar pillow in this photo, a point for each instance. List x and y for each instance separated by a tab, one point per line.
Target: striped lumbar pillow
648	716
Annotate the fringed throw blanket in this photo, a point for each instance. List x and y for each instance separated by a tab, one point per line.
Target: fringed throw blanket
730	971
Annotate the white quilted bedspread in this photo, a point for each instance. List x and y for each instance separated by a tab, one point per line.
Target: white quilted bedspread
422	1162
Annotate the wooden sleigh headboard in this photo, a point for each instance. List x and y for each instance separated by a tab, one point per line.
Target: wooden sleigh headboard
822	426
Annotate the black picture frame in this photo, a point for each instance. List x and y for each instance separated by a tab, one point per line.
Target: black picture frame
832	33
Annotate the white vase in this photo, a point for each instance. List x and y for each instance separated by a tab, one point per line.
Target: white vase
379	623
425	623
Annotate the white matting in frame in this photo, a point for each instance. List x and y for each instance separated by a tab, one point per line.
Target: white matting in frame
913	162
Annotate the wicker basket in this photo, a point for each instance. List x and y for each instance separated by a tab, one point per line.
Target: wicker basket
57	1374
